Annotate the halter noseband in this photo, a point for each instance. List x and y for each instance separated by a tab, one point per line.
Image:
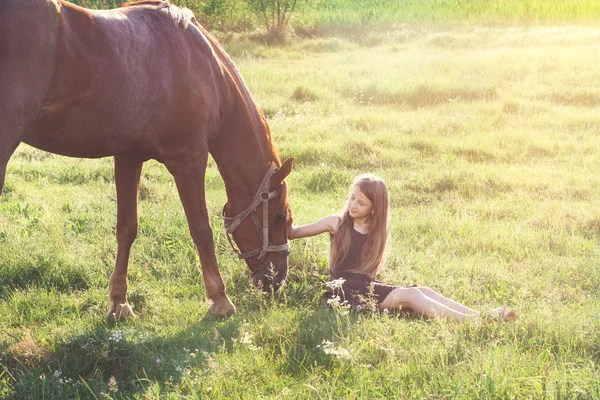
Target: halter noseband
262	196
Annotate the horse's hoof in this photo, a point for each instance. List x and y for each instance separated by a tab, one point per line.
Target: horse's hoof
222	308
120	311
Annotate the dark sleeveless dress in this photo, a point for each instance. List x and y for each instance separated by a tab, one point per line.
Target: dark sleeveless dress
356	288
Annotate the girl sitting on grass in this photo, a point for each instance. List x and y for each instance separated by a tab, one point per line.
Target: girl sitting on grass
358	239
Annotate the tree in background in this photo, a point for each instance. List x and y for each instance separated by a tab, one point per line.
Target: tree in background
275	14
222	15
228	15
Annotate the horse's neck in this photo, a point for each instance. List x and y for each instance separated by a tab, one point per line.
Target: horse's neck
242	148
243	151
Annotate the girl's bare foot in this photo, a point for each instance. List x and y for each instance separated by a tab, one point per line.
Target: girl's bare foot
503	312
510	315
498	312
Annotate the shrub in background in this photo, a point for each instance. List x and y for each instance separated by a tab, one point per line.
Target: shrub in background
274	14
99	4
221	15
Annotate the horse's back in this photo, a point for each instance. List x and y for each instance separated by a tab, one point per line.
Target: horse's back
129	79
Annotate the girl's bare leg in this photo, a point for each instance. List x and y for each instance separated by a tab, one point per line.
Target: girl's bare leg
446	301
416	300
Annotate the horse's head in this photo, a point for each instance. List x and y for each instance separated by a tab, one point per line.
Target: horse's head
260	231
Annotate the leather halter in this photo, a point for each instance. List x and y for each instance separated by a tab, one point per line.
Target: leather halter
262	196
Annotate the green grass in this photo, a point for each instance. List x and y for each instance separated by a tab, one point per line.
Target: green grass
489	141
365	20
345	15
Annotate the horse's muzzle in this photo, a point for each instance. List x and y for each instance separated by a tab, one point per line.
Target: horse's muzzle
270	278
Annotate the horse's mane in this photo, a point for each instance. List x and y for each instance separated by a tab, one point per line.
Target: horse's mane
228	63
181	16
139	3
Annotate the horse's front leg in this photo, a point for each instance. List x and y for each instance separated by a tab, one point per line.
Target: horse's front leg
127	179
189	177
4	156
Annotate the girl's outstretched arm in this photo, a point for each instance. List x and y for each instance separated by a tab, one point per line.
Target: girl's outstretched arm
326	224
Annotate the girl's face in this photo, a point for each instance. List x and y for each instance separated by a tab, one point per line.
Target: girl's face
359	206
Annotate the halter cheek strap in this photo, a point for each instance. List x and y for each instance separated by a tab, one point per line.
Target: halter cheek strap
262	196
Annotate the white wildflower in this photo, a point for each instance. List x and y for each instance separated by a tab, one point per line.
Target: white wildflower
248	341
336	283
332	349
387	349
65	381
334	300
116	336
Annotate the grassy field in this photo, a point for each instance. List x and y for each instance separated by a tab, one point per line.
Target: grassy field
357	17
489	139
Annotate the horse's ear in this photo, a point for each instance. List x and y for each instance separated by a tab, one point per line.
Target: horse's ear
283	171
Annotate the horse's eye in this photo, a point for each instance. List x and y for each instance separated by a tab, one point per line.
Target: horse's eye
280	218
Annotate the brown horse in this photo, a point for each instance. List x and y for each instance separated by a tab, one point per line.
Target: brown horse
141	82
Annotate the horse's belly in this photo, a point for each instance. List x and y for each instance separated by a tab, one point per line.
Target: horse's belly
66	148
82	142
80	134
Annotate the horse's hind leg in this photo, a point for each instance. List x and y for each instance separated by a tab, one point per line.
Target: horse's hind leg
28	34
189	177
127	178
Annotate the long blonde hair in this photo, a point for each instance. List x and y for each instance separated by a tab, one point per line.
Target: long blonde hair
376	191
